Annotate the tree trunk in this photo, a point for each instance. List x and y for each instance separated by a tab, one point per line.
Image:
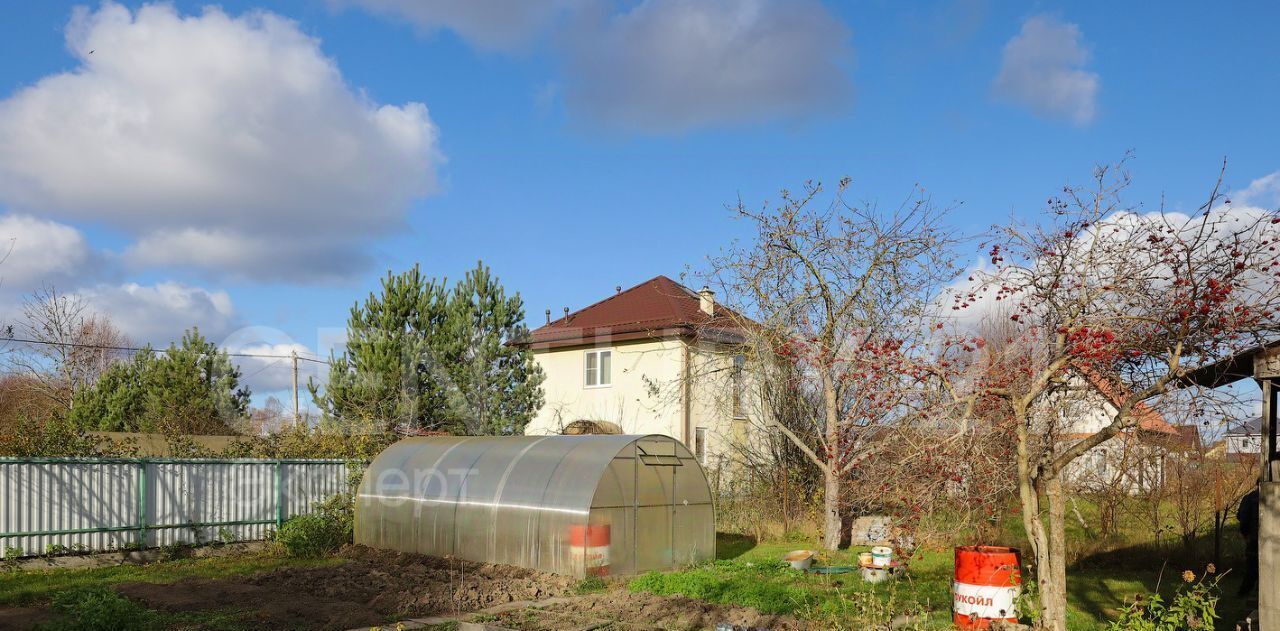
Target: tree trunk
1057	555
831	511
831	529
1029	488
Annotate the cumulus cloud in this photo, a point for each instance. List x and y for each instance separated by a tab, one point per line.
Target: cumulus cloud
1126	231
671	65
263	357
158	314
235	127
1043	69
37	251
248	256
1264	191
489	24
665	66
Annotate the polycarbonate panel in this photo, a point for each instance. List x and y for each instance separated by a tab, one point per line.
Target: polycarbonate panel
653	547
538	502
693	543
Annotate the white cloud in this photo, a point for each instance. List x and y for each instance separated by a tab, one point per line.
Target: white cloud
272	371
489	24
36	251
1264	191
232	126
671	65
255	256
158	314
1042	69
664	66
1114	233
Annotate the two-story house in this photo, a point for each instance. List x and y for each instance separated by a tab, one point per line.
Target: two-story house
658	358
1132	461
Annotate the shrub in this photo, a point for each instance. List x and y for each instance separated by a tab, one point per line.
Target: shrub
1193	606
330	527
102	609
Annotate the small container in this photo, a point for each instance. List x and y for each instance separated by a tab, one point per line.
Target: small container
865	559
881	556
875	574
799	559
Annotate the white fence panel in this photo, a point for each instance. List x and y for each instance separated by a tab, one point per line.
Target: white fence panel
94	504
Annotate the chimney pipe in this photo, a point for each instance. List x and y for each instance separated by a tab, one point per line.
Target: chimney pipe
566	312
548	316
617	289
707	300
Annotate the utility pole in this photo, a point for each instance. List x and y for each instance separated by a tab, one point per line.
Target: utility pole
297	415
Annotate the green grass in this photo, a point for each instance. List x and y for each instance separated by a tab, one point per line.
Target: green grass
31	586
102	609
752	574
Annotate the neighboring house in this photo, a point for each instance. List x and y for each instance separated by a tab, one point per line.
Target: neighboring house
1244	440
658	358
1132	461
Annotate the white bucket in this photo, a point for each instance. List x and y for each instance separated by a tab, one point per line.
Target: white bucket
881	556
799	559
875	574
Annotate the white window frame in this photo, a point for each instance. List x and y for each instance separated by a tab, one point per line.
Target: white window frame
700	444
598	353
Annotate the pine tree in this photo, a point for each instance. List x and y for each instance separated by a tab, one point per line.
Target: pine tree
189	389
421	356
387	376
496	386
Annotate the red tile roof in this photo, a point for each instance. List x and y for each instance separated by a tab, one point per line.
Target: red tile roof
1115	392
657	308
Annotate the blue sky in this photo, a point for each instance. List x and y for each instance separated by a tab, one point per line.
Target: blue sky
572	145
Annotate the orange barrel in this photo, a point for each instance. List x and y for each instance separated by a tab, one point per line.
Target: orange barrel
589	544
988	581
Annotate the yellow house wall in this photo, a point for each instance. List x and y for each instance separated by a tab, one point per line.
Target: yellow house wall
630	401
646	396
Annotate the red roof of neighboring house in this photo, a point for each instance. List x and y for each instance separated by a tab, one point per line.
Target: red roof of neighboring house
1148	418
658	307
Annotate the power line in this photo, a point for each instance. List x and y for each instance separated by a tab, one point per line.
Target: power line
135	349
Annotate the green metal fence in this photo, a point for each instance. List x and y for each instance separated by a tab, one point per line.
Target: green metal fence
80	503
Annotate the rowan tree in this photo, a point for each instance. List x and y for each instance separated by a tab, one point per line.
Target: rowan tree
839	297
1138	297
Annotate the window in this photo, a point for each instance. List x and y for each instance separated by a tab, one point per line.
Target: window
739	363
700	444
598	370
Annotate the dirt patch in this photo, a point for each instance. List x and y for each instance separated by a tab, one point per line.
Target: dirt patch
645	611
24	617
370	588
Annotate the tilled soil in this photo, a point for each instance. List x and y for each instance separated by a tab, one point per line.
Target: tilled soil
377	587
373	586
629	611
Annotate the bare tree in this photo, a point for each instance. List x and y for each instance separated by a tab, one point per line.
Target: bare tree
69	345
839	298
1139	298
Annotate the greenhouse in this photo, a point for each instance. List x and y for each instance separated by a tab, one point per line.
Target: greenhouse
576	505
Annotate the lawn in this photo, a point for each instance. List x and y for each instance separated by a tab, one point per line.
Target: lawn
751	574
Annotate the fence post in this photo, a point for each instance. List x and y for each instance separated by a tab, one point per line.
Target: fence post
279	494
142	504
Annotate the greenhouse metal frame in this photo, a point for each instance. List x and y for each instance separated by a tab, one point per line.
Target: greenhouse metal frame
575	505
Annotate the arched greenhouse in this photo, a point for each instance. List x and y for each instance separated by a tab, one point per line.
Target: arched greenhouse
576	505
